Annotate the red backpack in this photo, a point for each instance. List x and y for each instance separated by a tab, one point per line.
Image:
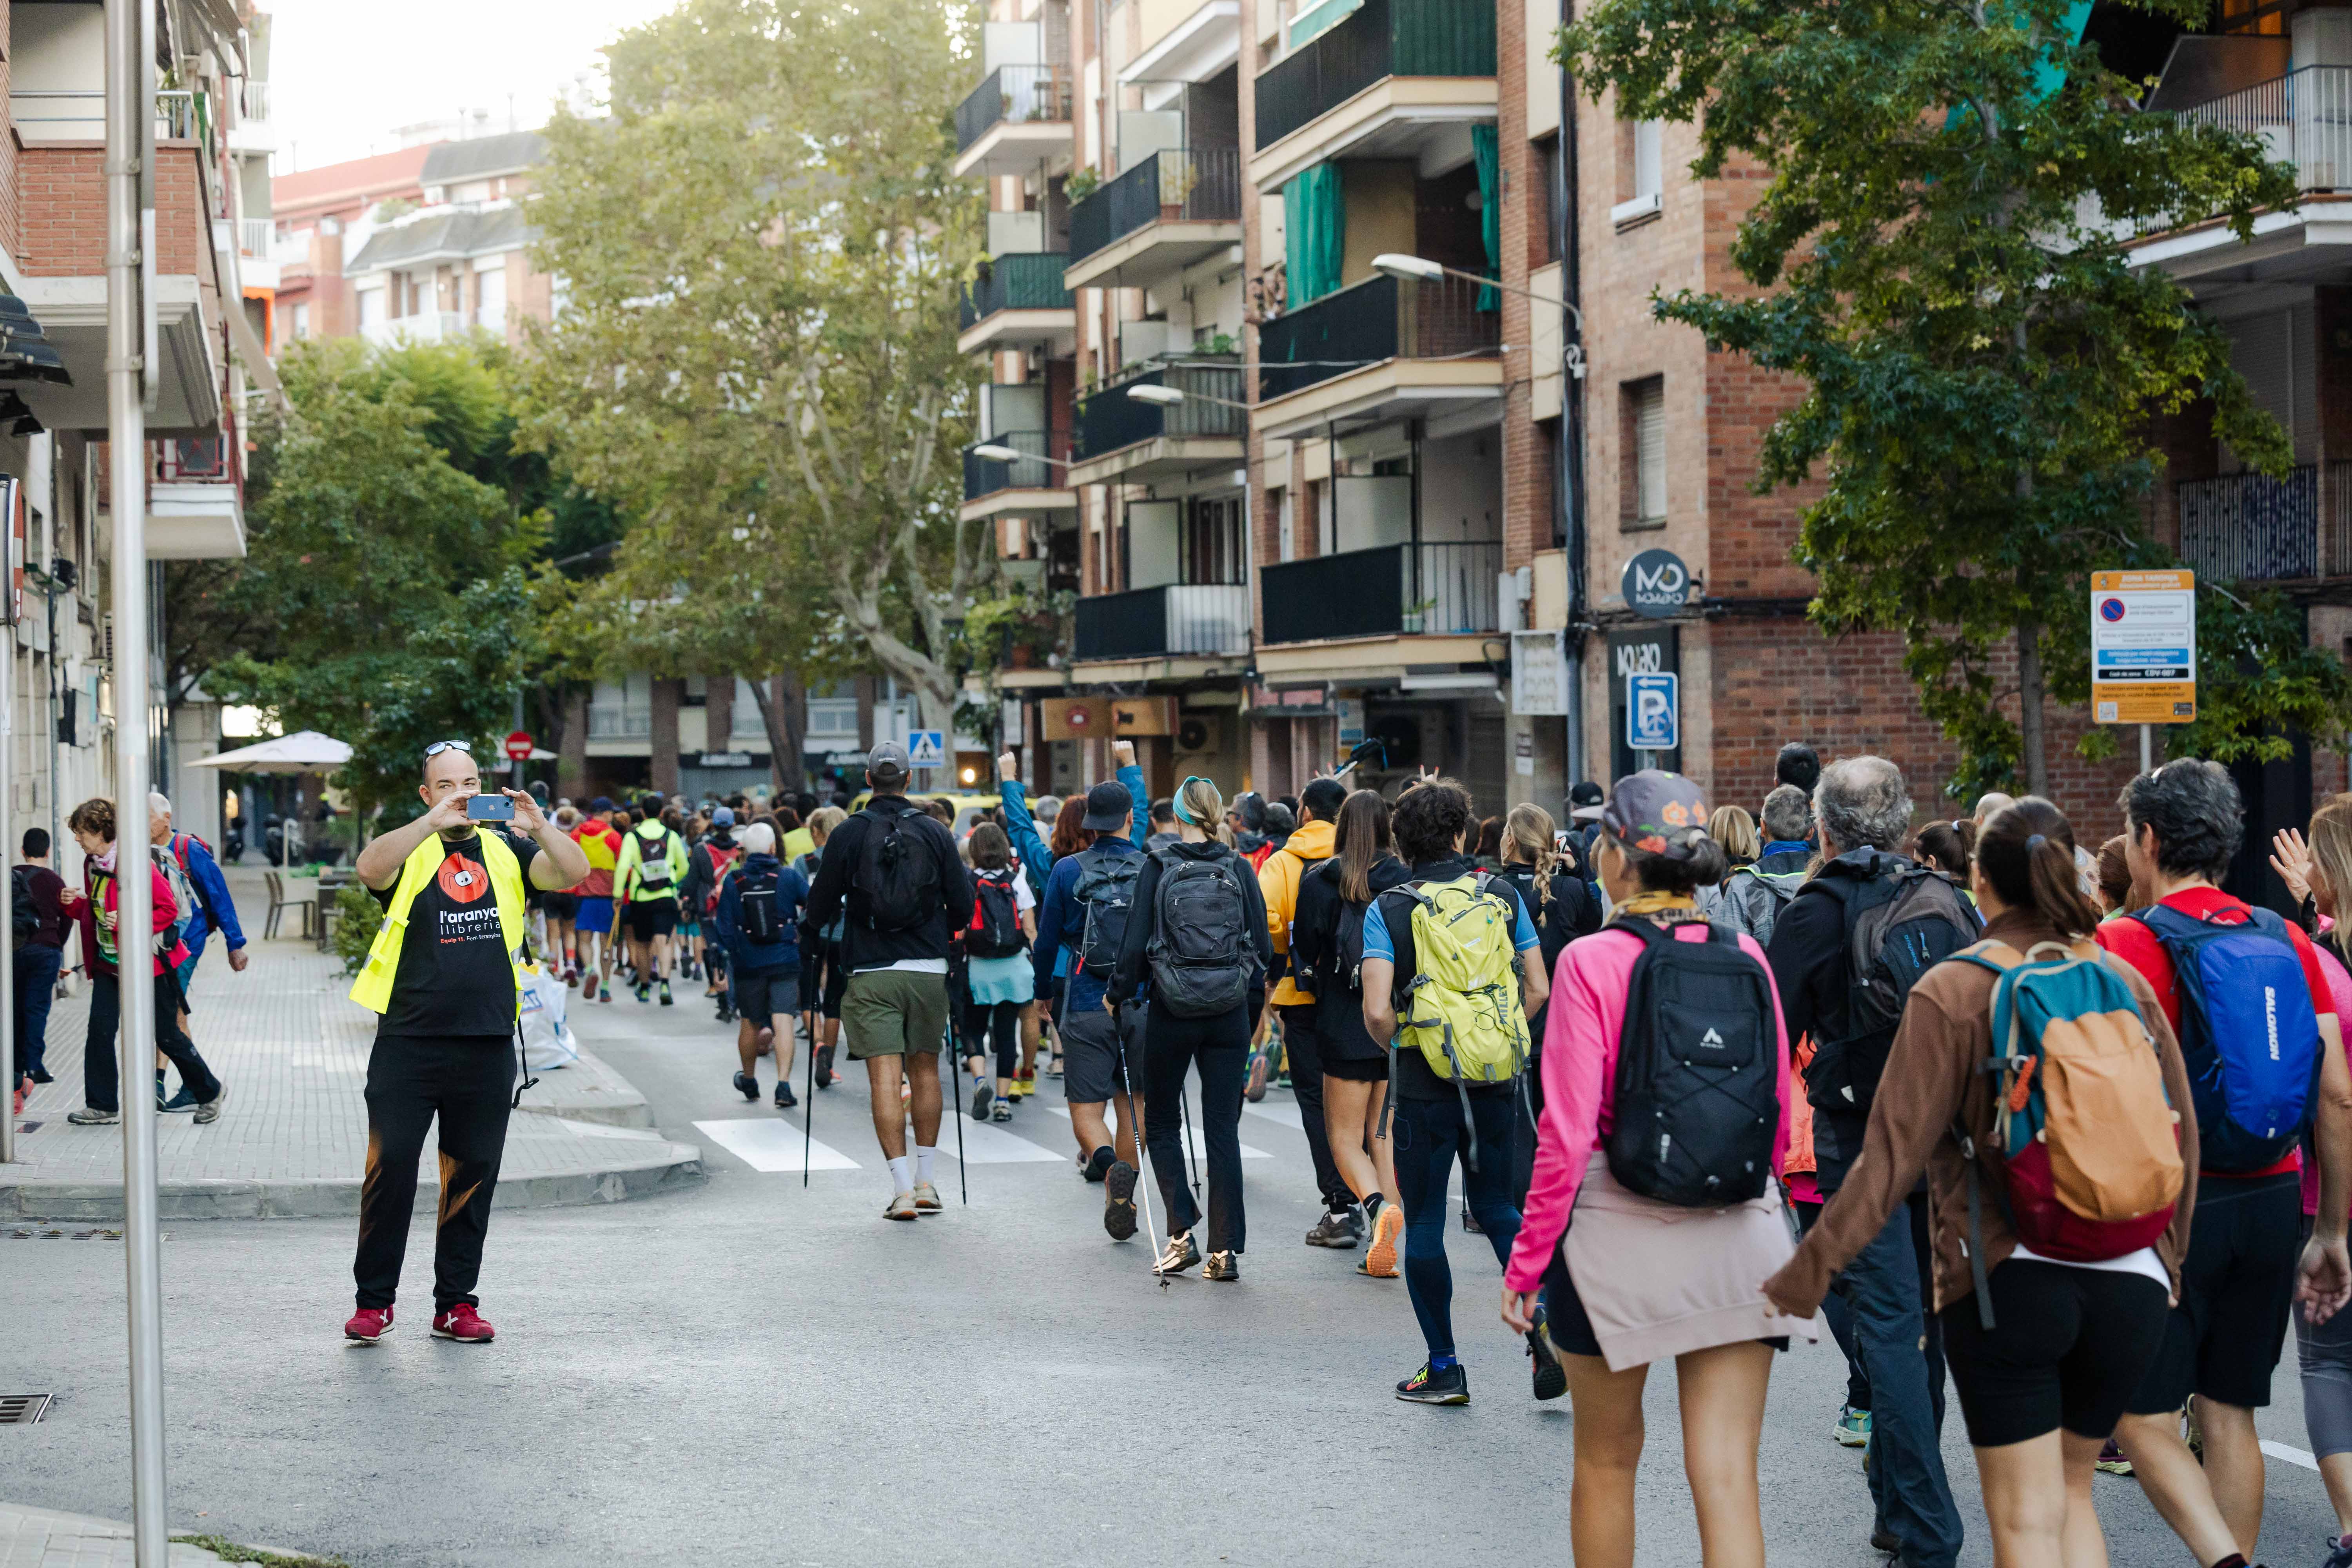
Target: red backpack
995	929
721	861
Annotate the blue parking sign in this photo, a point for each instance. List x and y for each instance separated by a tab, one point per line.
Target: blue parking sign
1652	722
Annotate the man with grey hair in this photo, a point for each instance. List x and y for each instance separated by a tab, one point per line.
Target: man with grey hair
188	864
1868	900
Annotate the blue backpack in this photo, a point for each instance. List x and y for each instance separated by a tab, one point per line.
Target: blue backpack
2249	1036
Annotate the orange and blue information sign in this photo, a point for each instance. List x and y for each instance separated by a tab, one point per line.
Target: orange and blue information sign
2143	648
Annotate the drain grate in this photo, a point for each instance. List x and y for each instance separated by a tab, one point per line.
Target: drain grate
22	1409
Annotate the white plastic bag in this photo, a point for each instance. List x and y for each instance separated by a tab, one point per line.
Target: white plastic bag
547	1038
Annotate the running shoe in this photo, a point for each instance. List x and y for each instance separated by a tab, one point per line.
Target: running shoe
1025	1086
463	1324
91	1116
1097	1167
900	1206
983	1099
1381	1258
643	994
1551	1377
748	1087
1852	1428
824	1078
1334	1231
664	994
2111	1462
1119	1200
785	1097
40	1075
209	1111
1181	1254
369	1324
1003	1110
1053	1067
572	979
1470	1224
1451	1387
1254	1090
181	1101
927	1198
1223	1266
588	988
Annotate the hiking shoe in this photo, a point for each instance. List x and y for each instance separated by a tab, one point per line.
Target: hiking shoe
1852	1428
1119	1200
209	1111
1381	1258
2339	1551
1333	1230
1097	1167
927	1198
824	1066
1551	1377
1253	1090
588	988
644	993
463	1324
665	995
748	1087
2111	1462
181	1101
1003	1111
785	1097
900	1206
90	1116
983	1099
1181	1254
1451	1387
1223	1266
369	1324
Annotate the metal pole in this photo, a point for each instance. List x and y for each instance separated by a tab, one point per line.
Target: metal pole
130	132
11	1051
2148	748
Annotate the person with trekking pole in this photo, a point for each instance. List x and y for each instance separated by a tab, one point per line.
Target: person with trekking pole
755	910
1197	934
445	977
894	870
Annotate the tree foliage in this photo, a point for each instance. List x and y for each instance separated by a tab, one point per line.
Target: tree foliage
1940	252
764	246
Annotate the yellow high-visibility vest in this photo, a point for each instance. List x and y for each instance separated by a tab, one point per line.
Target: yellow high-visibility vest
372	990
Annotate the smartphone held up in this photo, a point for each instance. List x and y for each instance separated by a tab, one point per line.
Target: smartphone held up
489	807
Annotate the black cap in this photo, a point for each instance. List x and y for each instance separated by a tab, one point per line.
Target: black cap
1584	802
1108	806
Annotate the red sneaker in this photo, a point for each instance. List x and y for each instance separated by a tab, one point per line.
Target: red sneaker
462	1322
369	1324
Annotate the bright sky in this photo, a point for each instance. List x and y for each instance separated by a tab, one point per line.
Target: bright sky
344	76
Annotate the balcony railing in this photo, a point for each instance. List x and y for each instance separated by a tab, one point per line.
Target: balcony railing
1384	591
1109	418
1381	38
627	721
2304	118
1012	95
78	114
253	103
1380	318
1176	184
255	236
832	718
1180	618
1026	282
424	327
1031	471
2247	528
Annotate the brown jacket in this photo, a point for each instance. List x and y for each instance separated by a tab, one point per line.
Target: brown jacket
1931	1080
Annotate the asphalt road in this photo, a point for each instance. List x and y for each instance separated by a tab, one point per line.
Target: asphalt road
753	1373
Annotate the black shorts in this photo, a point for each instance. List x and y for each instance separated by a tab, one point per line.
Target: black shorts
1100	1058
2237	1291
560	906
1356	1069
2067	1348
647	922
759	996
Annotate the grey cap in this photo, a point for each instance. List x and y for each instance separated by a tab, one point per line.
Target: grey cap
889	759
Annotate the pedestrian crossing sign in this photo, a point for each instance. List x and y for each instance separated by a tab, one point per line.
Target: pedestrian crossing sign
925	750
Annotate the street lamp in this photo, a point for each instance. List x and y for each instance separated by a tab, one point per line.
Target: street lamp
997	454
1169	396
1420	269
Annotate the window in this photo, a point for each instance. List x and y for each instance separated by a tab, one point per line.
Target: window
371	307
1285	530
1214	540
1641	446
301	327
1640	170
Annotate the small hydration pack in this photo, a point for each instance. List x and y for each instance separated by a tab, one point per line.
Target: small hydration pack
755	901
2249	1034
995	929
1105	889
1899	924
655	872
897	872
1698	1091
2089	1145
1201	954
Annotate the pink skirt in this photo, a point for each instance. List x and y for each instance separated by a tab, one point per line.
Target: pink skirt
1658	1279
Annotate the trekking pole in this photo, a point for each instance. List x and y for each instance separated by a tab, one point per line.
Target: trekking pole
963	1181
1184	1109
1143	1151
808	1113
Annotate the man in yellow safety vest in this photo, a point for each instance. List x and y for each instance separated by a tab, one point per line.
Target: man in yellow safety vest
444	976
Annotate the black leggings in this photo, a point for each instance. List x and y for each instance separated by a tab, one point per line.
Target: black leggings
101	1089
468	1079
1221	1046
1001	1021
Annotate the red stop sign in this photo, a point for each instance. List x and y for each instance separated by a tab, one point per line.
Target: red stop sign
518	745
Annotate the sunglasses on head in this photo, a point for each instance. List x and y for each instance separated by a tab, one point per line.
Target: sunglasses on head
437	747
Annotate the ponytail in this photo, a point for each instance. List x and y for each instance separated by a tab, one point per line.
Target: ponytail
2026	854
1528	839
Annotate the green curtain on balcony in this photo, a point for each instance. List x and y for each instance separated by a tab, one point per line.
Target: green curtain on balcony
1314	232
1486	148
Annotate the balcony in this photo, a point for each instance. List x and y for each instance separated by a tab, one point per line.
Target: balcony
1179	207
1377	82
2302	118
1124	439
78	114
620	721
993	486
1209	620
1387	347
195	496
1019	300
1391	590
253	133
1015	121
2249	528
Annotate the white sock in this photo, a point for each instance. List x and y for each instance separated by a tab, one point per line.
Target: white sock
923	1163
900	1180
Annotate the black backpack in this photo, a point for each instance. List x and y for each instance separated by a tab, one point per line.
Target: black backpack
995	931
897	872
24	913
1201	961
1900	921
1698	1098
756	898
1107	887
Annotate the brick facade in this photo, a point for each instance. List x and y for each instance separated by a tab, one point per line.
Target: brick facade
65	187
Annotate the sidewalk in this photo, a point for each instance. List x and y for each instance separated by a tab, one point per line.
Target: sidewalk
39	1538
292	1140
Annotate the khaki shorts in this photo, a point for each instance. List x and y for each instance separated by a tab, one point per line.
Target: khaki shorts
894	1013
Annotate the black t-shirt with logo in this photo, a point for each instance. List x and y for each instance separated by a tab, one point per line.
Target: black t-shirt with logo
455	977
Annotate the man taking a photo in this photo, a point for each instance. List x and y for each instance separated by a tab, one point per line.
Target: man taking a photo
894	870
446	976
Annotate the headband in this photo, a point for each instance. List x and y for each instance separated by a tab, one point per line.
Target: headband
1177	802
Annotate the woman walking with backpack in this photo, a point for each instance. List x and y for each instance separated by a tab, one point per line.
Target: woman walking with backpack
1196	935
755	911
2047	1332
998	970
1672	1236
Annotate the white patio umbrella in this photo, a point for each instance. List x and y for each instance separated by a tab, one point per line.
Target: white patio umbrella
303	752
